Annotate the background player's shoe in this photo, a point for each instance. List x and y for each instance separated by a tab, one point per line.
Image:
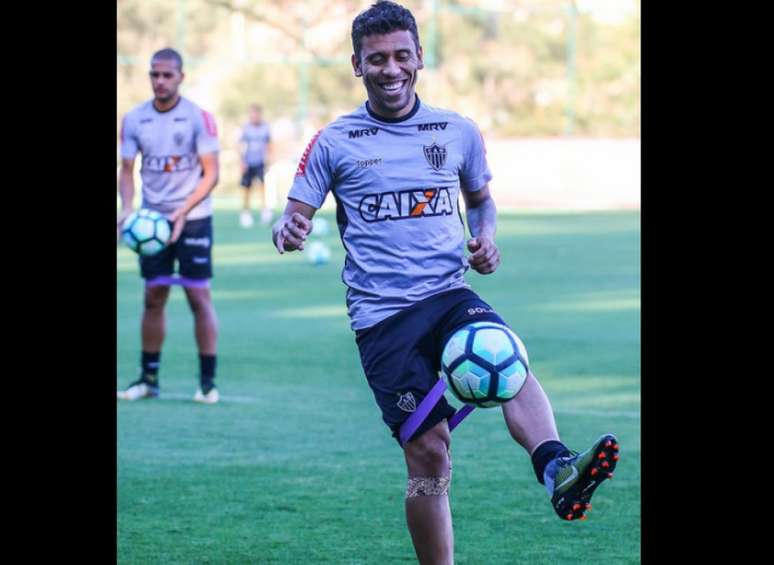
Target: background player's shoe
266	216
246	219
137	390
572	480
207	395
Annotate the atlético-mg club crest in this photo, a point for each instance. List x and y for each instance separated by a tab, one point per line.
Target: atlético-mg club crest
435	155
407	402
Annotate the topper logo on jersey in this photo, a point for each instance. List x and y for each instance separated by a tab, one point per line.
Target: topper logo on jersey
435	126
406	204
169	163
361	132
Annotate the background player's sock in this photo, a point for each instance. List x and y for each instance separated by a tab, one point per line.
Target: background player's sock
544	454
207	372
149	363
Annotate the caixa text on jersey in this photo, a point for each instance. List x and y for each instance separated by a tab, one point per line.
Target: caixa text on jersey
406	204
169	163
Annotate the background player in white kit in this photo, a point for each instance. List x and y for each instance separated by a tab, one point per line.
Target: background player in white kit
396	168
178	142
255	140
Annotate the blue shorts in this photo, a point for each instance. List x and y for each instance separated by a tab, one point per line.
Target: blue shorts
252	172
193	251
401	355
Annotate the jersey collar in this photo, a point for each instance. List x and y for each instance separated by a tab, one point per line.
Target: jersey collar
179	98
379	118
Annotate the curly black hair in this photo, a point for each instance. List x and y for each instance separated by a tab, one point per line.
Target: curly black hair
381	18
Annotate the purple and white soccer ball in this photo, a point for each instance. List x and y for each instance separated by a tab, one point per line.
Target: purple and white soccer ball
146	231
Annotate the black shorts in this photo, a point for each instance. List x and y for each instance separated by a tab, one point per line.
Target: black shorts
252	172
401	355
193	251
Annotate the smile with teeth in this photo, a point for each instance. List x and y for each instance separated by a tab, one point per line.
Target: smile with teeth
393	86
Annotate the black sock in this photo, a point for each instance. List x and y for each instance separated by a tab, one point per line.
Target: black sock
544	454
207	371
150	367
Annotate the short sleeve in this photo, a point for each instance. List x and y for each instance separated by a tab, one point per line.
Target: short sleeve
129	145
206	134
314	175
475	172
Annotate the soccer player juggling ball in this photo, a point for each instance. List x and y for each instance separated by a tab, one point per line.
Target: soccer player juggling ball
396	167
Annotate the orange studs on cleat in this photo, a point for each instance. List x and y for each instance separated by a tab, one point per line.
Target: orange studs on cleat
615	446
610	475
605	464
569	516
588	506
616	457
576	507
594	471
608	443
583	517
601	455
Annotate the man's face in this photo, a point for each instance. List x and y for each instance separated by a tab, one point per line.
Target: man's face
389	65
165	79
255	116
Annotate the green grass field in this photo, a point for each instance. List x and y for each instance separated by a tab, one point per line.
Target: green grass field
295	466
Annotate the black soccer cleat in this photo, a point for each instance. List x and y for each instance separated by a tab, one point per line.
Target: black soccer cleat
575	478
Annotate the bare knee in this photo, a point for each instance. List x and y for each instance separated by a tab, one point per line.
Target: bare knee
156	297
198	299
428	455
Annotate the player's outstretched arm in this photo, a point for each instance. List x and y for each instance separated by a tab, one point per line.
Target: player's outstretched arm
293	227
482	222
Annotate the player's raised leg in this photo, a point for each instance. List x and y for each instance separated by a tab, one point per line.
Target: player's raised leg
428	514
529	416
570	478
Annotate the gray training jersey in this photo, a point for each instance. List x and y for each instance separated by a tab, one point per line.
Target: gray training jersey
396	185
170	143
256	138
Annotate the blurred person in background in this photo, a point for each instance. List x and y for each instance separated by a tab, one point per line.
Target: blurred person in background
255	148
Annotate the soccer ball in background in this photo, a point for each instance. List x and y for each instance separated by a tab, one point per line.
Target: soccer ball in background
484	364
320	227
318	253
146	231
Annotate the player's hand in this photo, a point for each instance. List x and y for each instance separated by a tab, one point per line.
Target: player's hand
121	217
243	166
485	256
178	220
291	232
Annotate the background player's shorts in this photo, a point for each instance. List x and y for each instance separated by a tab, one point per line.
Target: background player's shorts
252	172
193	251
401	355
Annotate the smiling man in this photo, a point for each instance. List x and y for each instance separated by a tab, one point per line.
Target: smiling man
396	168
